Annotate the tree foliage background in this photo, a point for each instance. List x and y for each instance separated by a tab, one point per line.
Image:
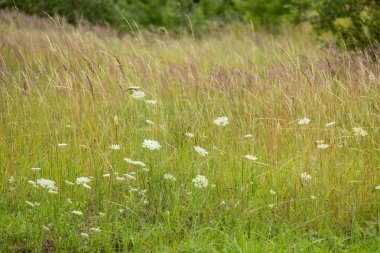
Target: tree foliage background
353	23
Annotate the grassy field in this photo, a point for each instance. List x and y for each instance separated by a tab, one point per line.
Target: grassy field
294	166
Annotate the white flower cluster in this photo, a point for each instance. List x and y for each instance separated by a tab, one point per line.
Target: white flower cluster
201	151
221	121
169	177
83	181
151	144
138	163
304	121
200	181
359	131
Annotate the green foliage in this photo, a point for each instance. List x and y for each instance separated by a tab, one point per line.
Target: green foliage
354	23
123	14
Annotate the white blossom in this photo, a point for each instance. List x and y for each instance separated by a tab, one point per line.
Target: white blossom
136	94
151	144
304	121
330	124
322	146
79	213
200	181
305	176
46	183
359	131
201	151
138	163
251	157
221	121
62	145
115	147
169	177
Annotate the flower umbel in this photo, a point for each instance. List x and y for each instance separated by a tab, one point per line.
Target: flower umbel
200	181
151	144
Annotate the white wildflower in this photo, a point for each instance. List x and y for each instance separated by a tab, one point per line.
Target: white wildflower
359	131
83	182
149	122
330	124
136	94
30	203
95	229
151	144
221	121
201	151
51	191
322	146
62	145
169	177
200	181
305	176
248	136
129	176
35	169
150	102
190	135
85	235
304	121
115	147
46	183
120	178
251	157
377	187
79	213
134	162
272	192
312	197
107	175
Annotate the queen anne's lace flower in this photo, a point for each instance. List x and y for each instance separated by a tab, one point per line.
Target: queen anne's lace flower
251	157
359	131
201	151
304	121
221	121
47	184
151	144
322	146
305	176
137	94
138	163
115	147
200	181
169	177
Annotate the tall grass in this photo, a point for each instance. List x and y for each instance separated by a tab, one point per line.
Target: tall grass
61	85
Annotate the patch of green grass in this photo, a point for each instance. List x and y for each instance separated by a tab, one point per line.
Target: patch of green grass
63	86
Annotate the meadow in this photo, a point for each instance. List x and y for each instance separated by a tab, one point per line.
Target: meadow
239	141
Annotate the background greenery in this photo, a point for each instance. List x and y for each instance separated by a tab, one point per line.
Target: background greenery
353	23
